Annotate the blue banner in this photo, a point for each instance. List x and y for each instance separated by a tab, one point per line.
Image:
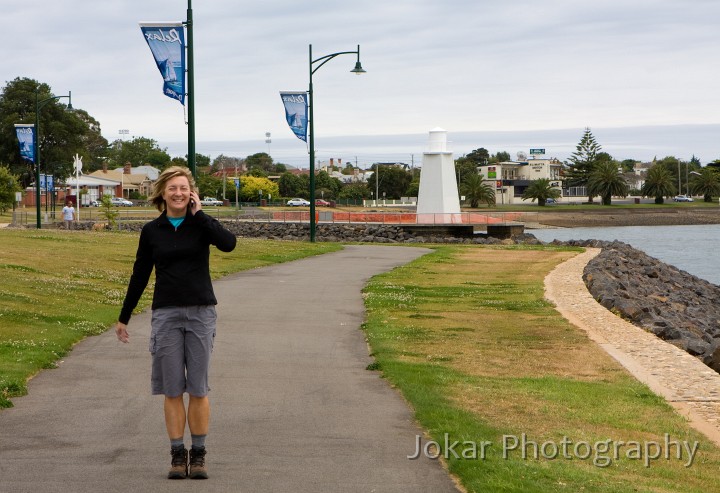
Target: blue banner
296	112
167	43
26	139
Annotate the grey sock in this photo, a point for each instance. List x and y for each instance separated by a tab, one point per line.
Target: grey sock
177	443
198	441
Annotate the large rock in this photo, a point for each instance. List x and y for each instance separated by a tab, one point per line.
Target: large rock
672	304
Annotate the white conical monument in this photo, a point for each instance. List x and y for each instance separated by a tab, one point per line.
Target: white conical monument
438	194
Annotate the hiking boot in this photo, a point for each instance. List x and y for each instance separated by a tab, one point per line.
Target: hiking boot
197	463
179	467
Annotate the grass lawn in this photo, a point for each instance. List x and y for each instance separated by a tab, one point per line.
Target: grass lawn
59	287
467	337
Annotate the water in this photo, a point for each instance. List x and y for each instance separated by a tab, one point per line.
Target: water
690	248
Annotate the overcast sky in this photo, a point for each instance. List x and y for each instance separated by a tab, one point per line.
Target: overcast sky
464	65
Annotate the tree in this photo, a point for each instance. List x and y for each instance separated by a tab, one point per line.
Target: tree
464	168
138	152
356	191
209	185
291	185
628	165
109	211
226	162
582	162
606	180
500	157
706	183
541	190
61	132
331	186
476	191
413	189
9	184
659	183
393	181
260	160
94	145
251	186
479	156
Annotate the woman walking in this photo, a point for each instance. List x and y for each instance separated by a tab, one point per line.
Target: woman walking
177	246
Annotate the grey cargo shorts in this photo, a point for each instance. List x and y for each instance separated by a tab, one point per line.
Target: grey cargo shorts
181	342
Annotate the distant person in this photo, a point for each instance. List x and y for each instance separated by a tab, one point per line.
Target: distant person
177	246
68	214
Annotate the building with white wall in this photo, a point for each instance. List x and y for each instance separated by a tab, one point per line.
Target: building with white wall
511	178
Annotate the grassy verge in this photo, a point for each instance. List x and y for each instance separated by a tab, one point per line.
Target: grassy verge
59	287
465	334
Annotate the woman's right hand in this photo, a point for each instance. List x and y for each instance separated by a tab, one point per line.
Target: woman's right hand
122	333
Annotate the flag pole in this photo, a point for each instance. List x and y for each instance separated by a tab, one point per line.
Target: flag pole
190	92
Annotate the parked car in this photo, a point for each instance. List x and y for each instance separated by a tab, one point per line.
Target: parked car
298	202
121	202
322	203
682	198
94	203
211	201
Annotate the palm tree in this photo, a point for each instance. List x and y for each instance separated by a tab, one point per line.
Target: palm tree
705	182
659	183
605	180
476	191
541	190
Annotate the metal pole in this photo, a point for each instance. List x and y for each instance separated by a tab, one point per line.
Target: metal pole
37	160
377	183
312	150
36	151
321	61
191	92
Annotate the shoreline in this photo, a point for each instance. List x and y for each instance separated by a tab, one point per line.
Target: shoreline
681	379
622	217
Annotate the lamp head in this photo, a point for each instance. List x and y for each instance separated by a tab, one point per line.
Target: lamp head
358	69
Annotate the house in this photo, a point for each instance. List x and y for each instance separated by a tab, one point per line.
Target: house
92	187
138	180
511	178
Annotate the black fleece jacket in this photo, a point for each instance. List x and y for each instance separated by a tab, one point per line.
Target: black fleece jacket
181	258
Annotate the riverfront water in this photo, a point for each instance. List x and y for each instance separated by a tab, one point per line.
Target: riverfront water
690	248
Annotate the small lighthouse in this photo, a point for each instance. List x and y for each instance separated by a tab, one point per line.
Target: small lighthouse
438	193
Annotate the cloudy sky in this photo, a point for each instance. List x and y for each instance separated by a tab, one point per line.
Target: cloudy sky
464	65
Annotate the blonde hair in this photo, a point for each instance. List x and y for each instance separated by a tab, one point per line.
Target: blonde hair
156	197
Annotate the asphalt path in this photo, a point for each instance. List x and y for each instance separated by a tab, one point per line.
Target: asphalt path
293	407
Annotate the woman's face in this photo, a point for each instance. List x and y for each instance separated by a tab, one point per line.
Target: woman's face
177	196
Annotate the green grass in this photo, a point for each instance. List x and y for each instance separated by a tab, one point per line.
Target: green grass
480	355
59	287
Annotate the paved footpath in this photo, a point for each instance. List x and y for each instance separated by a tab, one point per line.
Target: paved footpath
683	380
293	408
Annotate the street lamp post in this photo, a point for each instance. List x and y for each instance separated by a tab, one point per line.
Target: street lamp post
39	104
320	62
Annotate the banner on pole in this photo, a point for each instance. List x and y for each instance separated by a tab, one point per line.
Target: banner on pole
167	43
26	140
296	112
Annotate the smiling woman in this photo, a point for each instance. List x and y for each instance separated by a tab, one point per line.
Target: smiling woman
176	246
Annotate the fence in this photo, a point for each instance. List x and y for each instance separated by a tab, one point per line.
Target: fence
27	217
